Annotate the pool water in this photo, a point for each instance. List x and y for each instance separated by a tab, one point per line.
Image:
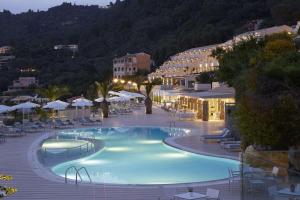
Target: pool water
139	156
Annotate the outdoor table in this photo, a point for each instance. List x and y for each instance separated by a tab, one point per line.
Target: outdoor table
287	192
190	195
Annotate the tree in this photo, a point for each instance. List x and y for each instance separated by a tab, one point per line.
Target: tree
148	89
148	100
102	89
265	74
205	77
53	92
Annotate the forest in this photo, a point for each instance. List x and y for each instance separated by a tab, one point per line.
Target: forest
160	28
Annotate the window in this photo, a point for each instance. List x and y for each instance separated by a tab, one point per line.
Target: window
134	69
122	68
129	69
118	68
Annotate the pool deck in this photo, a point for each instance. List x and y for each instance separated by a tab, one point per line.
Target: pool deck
14	160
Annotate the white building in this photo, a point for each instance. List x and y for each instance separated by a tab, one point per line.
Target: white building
182	68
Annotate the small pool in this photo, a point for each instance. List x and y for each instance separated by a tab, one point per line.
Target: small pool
139	156
58	145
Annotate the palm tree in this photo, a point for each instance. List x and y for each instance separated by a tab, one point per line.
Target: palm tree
148	100
53	92
102	89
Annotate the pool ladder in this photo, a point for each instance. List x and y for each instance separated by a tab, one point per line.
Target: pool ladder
77	174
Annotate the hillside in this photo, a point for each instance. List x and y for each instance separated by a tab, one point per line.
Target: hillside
160	28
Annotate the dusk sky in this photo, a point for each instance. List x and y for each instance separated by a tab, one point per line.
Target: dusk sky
17	6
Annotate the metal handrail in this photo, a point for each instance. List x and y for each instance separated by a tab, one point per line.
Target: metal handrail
77	174
66	174
87	173
72	148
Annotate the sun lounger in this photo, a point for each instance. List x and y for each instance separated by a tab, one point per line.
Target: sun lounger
224	143
93	121
9	131
226	134
232	147
84	122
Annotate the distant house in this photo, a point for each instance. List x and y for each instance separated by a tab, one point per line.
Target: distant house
22	83
130	64
5	49
71	47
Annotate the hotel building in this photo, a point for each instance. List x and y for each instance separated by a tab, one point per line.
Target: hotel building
179	90
130	64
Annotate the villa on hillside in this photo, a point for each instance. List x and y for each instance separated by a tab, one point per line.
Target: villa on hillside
22	83
180	91
5	49
129	64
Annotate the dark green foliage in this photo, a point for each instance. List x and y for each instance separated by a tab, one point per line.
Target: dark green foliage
205	77
158	27
265	75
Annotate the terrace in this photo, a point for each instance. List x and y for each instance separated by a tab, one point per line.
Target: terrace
34	181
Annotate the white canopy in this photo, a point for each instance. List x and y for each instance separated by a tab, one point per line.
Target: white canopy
100	99
4	109
27	105
119	94
56	105
118	99
114	99
82	102
132	94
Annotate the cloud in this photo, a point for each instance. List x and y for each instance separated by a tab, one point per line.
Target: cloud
17	6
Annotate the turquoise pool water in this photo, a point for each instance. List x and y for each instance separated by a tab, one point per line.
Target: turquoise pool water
139	156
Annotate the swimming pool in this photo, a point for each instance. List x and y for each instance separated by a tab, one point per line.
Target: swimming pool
138	155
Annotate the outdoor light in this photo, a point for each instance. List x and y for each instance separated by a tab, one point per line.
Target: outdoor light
129	82
116	80
122	81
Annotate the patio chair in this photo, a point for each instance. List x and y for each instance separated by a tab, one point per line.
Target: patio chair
272	191
212	194
234	176
166	193
2	138
271	176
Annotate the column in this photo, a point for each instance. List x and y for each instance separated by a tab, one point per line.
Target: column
205	111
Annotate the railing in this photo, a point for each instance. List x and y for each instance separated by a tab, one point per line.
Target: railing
77	174
88	175
88	147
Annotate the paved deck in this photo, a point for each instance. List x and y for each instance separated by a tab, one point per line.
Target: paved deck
14	161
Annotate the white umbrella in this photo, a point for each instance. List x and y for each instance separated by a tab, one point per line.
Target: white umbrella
99	100
56	105
82	102
132	94
118	99
119	94
25	106
4	109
